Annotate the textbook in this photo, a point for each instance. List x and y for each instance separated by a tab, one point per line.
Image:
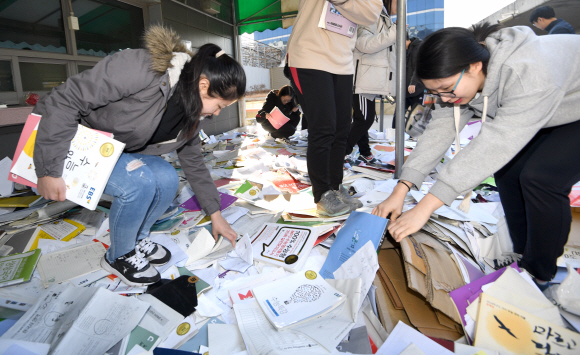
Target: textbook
297	298
283	245
278	118
89	163
332	20
18	268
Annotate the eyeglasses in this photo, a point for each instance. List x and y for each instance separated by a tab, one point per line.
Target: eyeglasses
447	93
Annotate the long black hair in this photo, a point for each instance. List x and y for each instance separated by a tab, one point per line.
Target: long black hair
450	50
286	90
227	80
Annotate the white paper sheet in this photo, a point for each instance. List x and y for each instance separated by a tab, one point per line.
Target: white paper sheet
403	335
20	347
206	308
233	213
329	329
363	264
178	256
261	338
225	339
184	331
91	320
241	258
66	264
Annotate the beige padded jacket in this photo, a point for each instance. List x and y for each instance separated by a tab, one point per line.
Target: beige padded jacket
311	47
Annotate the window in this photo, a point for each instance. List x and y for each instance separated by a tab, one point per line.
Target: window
430	4
412	6
412	20
107	26
421	18
42	76
439	16
439	4
82	68
32	25
421	5
6	79
430	17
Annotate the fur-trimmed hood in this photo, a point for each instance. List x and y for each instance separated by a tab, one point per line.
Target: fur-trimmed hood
163	43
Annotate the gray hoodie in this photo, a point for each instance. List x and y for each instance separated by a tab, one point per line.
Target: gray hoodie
532	83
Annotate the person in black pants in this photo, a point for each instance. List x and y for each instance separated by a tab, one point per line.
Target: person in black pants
284	100
363	117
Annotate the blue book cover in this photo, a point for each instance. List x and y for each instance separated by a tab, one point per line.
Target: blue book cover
358	229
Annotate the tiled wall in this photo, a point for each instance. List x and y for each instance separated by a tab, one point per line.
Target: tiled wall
200	29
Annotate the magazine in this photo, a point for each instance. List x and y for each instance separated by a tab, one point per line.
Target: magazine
18	268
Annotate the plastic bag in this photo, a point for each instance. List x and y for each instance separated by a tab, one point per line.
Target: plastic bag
567	294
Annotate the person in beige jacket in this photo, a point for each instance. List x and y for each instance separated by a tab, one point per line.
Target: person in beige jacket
375	62
321	66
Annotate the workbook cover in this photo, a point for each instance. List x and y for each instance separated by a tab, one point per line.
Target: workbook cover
278	118
283	245
332	20
88	165
297	298
18	268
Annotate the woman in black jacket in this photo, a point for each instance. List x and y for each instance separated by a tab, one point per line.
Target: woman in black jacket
284	100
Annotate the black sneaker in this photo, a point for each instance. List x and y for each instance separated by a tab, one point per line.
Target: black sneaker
133	269
157	254
369	160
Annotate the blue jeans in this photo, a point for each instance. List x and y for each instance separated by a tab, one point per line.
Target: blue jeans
143	186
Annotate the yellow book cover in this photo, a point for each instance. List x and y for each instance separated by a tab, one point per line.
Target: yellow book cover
509	330
18	201
63	230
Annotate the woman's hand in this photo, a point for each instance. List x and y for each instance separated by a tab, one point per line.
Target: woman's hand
220	226
269	116
52	188
295	109
414	219
411	89
393	205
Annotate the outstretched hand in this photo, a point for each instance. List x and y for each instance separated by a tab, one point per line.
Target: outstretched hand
220	226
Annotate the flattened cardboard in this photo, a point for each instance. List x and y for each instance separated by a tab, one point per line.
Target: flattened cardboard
388	315
442	269
418	310
390	290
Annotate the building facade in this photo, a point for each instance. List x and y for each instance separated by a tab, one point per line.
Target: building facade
424	17
42	43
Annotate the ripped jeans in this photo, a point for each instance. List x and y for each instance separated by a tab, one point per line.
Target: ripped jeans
143	187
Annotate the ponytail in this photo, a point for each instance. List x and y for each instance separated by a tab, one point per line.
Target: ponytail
450	50
227	80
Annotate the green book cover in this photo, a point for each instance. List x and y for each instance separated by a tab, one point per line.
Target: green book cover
142	337
200	285
18	268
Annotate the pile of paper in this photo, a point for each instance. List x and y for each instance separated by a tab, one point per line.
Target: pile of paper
295	282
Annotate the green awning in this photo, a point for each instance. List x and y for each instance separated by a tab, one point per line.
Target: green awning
259	15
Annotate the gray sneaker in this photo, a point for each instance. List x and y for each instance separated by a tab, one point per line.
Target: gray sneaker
345	197
330	205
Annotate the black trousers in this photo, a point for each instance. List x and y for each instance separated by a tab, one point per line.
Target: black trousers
534	188
285	131
362	119
327	102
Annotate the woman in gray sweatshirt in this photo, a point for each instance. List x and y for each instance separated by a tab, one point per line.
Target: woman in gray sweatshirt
528	89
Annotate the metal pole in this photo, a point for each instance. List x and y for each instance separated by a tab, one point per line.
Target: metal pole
238	57
401	86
